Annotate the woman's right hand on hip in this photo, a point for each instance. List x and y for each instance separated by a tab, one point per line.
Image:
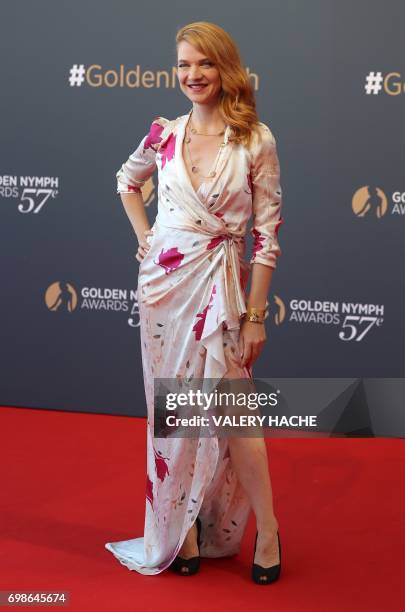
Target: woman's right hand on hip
143	246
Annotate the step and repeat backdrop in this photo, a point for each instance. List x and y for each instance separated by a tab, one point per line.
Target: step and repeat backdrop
81	83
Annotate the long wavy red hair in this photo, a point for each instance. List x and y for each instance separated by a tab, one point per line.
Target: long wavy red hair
237	104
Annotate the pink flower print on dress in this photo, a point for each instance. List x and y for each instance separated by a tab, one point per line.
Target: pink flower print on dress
170	259
199	326
219	214
258	241
134	189
153	137
149	490
162	469
167	149
216	240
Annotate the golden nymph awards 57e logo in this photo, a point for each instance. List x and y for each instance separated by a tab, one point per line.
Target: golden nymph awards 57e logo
372	201
62	296
355	320
32	194
369	200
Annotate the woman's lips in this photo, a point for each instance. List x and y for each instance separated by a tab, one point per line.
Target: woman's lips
197	87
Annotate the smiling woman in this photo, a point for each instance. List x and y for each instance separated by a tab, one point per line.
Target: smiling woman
217	166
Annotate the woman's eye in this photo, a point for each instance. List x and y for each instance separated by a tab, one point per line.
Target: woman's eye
203	64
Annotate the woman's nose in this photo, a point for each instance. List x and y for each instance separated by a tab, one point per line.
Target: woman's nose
195	72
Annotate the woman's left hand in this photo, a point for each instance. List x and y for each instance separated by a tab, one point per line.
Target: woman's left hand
251	341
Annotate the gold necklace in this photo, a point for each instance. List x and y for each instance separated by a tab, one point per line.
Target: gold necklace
194	131
194	167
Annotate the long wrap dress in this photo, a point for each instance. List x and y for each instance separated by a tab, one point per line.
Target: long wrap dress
192	294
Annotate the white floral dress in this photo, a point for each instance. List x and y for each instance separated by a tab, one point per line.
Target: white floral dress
192	295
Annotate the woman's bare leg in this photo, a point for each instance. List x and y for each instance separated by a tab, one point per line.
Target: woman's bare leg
249	460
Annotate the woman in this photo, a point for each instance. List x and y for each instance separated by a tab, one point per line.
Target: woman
217	165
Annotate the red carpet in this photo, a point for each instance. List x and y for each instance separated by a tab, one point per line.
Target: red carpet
71	482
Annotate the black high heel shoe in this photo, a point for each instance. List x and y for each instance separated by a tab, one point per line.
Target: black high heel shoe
191	565
270	574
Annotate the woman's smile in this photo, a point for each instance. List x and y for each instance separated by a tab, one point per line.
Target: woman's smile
197	87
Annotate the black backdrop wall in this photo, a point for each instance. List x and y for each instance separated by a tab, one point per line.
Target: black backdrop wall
81	83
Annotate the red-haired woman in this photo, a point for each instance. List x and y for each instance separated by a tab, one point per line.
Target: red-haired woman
217	166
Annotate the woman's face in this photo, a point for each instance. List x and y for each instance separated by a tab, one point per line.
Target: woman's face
199	78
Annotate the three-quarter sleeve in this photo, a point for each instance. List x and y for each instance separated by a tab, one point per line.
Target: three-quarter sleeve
141	164
266	199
